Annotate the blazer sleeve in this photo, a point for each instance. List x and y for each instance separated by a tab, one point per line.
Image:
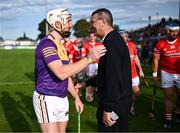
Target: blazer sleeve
112	76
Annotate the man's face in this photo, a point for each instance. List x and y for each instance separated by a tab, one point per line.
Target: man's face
172	34
68	24
96	25
92	37
66	31
125	37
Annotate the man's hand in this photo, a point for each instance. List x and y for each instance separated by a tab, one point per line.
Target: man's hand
78	87
96	52
79	105
107	119
141	74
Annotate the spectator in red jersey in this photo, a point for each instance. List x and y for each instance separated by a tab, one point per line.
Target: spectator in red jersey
91	69
74	54
135	64
73	50
167	51
68	44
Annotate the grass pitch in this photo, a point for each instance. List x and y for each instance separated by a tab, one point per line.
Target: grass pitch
16	110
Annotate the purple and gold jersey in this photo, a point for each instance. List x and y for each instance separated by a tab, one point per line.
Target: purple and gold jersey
46	82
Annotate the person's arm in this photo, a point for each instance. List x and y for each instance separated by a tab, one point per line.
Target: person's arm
113	88
138	65
156	58
78	104
115	61
155	64
63	71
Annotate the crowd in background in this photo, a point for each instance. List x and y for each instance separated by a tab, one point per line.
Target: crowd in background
147	37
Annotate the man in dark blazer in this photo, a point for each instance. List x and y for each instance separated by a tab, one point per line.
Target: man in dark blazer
114	75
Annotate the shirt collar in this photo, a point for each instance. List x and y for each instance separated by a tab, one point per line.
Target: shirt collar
104	37
172	41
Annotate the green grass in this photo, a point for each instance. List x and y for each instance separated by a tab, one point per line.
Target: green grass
16	110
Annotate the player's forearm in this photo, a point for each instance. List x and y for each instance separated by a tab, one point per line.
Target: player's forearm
72	69
64	71
71	88
155	63
155	66
138	64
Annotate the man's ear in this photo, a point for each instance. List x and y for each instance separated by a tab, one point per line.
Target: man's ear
58	25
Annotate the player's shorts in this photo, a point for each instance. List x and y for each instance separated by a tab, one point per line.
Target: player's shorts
91	70
50	108
135	81
169	80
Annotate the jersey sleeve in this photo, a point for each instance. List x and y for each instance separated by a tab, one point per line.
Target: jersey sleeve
157	48
49	52
111	89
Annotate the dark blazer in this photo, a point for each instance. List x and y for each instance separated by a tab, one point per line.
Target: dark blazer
114	73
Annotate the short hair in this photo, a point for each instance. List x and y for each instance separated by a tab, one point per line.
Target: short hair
104	13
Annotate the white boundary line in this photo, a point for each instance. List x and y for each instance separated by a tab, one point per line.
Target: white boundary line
15	83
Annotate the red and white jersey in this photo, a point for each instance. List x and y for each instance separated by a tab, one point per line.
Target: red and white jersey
73	51
68	45
169	55
88	45
133	53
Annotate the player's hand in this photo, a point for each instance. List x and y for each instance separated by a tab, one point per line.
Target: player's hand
79	85
97	52
79	105
141	74
107	119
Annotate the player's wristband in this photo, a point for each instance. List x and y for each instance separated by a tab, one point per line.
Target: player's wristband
154	74
90	60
